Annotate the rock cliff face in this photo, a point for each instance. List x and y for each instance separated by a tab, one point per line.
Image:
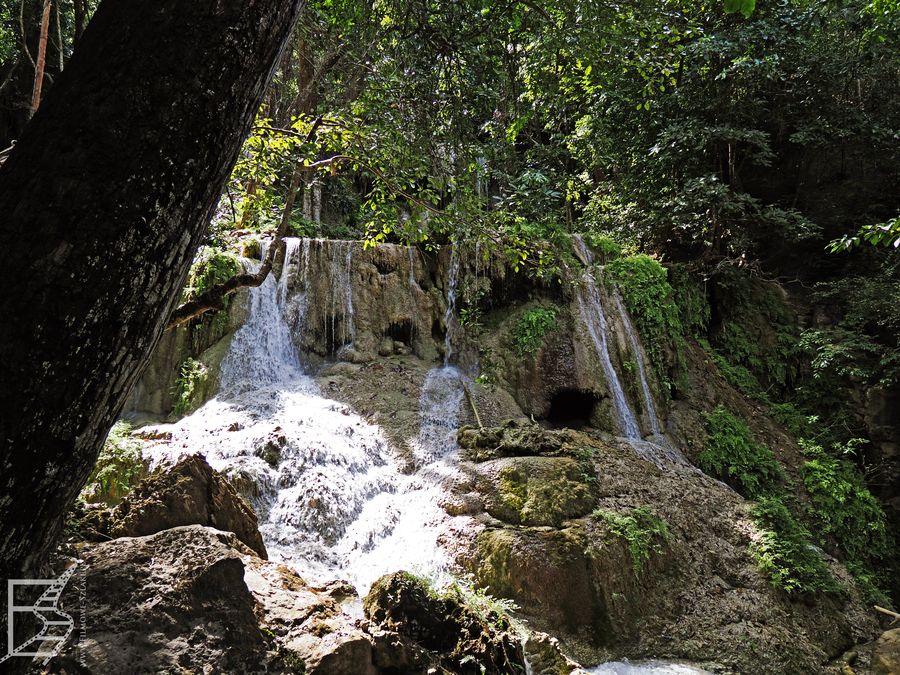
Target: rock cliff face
697	595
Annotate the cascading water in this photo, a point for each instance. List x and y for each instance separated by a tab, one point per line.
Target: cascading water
340	300
450	313
635	344
590	304
331	498
591	308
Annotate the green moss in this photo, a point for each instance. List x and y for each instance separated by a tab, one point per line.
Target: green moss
119	467
193	375
513	489
641	528
533	325
644	286
784	553
732	454
211	267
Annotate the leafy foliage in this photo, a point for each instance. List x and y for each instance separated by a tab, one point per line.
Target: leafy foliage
211	266
533	325
845	509
733	455
692	301
878	234
119	467
784	553
757	332
641	528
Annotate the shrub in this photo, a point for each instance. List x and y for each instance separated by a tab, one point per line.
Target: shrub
757	330
607	247
211	266
643	284
641	528
732	454
784	553
119	467
844	507
533	325
692	301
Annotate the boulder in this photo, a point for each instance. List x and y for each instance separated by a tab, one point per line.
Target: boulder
194	599
190	493
886	654
441	627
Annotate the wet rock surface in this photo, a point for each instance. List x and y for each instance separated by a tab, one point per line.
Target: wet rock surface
189	493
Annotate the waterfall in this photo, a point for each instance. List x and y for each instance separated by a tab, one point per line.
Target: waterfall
450	313
591	308
439	404
331	497
659	451
291	246
635	344
411	252
340	301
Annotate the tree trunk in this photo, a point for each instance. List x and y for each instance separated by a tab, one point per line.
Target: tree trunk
104	201
41	58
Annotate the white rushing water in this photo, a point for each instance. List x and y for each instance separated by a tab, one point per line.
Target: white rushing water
330	495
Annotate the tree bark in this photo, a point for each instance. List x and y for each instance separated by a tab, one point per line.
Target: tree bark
104	201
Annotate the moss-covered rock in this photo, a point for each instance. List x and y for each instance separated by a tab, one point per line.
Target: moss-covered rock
543	491
455	636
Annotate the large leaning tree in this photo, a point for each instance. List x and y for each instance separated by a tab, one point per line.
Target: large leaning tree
103	203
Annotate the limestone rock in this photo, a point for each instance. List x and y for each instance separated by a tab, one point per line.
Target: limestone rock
195	599
886	655
190	493
701	597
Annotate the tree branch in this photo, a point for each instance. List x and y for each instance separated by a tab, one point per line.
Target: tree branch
214	298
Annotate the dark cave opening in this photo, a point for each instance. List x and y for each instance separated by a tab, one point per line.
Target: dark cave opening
572	408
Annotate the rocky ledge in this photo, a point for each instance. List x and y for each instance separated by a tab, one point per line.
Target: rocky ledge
196	599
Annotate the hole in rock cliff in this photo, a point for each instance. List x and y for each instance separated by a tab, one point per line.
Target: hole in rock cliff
437	333
384	267
335	334
400	331
571	408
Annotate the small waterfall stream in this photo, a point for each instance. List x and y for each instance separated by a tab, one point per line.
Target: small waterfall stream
331	497
591	308
637	350
590	303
